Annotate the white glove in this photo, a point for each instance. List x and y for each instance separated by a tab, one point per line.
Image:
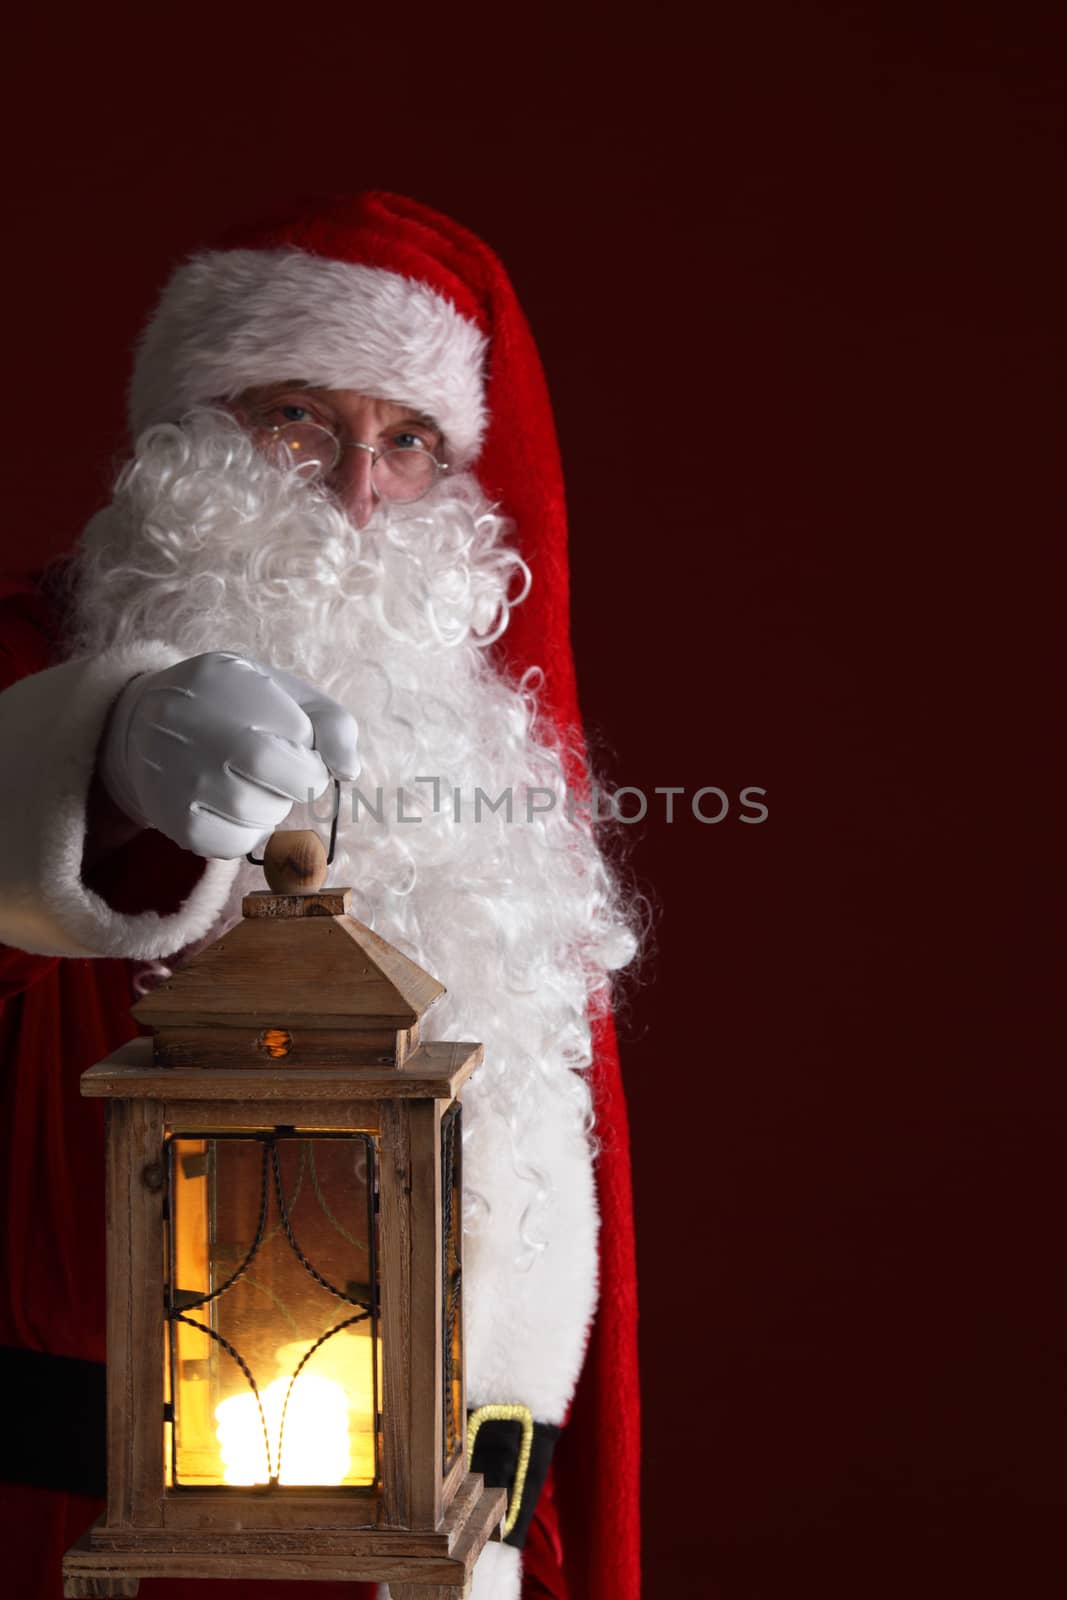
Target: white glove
214	751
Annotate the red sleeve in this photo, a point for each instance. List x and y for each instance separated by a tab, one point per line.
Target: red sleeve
597	1464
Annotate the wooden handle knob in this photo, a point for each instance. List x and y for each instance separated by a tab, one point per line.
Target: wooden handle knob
294	862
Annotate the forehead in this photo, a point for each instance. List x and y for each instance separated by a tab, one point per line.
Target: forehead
343	404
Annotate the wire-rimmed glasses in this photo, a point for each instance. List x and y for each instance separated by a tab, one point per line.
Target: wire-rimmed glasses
398	473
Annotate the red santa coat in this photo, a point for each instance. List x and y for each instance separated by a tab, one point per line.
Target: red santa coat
60	1015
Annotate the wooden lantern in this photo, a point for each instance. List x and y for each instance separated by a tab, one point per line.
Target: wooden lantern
285	1362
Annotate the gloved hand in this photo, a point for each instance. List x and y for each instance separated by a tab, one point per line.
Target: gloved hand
214	751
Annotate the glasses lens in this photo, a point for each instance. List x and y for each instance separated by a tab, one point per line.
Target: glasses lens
404	474
305	448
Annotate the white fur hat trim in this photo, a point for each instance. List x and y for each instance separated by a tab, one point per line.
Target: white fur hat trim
236	319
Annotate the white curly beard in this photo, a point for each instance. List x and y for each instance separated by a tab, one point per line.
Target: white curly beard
208	546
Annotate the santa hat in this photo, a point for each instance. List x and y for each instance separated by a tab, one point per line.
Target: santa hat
379	293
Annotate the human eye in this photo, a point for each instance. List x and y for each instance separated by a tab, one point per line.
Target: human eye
413	439
288	411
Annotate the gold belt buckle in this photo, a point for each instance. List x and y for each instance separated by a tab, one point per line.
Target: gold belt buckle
521	1414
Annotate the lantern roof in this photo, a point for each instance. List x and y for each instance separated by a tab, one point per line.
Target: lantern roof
295	958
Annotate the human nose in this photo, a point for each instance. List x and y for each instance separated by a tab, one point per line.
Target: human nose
353	483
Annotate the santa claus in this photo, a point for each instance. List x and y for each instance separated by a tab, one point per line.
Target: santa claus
338	551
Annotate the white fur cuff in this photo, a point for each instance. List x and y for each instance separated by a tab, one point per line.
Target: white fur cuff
50	724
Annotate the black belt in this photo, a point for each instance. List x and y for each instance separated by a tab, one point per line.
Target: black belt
53	1433
496	1457
53	1422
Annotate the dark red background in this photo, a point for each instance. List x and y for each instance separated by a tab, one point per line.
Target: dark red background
794	280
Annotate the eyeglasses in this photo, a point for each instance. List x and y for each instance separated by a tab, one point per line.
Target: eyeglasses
399	473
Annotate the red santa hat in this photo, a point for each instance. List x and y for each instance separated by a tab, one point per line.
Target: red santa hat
379	293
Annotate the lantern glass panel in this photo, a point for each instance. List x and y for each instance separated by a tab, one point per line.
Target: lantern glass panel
273	1342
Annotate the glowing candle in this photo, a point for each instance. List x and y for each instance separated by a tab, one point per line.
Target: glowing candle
314	1447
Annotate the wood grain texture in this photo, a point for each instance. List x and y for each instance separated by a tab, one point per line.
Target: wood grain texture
312	1565
463	1501
106	1555
207	1522
425	1359
418	987
331	971
457	1474
216	1519
326	1116
134	1315
395	1270
246	1045
434	1071
100	1588
436	1591
272	903
294	862
484	1521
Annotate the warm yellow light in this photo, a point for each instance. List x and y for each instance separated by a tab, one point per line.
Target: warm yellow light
315	1447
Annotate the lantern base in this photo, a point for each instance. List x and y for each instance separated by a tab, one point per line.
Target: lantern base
112	1588
126	1589
109	1562
100	1588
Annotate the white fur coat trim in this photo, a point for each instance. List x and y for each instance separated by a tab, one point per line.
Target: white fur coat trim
526	1320
497	1575
50	724
232	320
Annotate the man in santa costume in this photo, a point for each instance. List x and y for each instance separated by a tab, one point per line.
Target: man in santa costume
338	551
